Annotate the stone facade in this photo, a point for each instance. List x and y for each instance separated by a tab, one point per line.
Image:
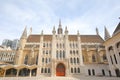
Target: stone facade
64	54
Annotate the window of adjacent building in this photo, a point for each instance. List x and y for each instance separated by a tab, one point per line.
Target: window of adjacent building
89	72
71	60
78	60
111	60
115	59
103	72
93	71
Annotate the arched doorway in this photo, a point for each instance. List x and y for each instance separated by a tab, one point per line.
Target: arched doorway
60	70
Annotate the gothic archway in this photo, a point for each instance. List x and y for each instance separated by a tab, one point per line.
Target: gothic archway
60	70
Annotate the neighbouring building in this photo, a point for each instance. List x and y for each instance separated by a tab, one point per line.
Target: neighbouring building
112	46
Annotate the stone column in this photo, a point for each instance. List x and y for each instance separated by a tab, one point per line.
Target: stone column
4	73
17	72
30	72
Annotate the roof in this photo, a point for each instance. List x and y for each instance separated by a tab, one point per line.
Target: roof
117	30
84	38
91	39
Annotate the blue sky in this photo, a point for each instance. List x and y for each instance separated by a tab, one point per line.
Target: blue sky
82	15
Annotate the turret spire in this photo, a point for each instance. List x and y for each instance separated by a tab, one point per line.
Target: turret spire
24	34
97	31
107	35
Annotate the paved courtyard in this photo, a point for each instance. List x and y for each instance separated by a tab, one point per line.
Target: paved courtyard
61	78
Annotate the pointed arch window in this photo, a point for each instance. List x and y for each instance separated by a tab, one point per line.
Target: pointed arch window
78	70
71	70
74	61
26	60
77	60
42	70
104	57
93	58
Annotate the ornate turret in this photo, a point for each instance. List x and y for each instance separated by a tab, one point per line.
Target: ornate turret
107	35
60	28
24	34
66	31
30	32
97	31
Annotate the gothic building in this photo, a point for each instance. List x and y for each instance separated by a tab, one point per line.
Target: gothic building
61	54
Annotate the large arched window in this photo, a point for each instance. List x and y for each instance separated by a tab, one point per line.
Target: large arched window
77	60
48	70
71	60
74	61
36	60
71	70
63	54
74	70
78	70
73	52
93	58
42	60
46	60
41	70
26	60
45	70
60	54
